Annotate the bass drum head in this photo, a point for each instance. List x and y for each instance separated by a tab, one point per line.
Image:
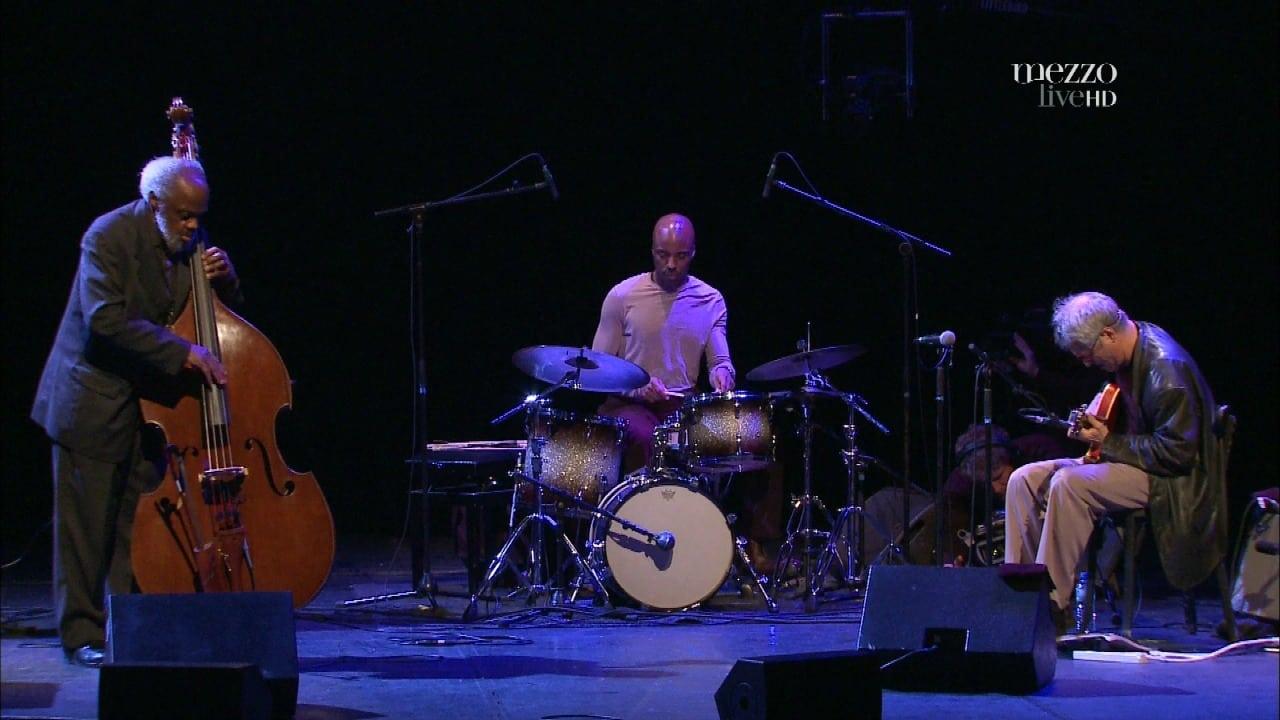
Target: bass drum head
692	570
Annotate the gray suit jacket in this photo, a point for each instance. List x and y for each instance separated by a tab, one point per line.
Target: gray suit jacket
113	335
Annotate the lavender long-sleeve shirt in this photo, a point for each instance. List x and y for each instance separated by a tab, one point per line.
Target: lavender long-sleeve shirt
666	333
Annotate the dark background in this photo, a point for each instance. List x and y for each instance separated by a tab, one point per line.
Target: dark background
309	120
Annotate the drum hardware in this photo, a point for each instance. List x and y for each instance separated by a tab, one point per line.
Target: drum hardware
843	530
667	437
535	522
717	486
744	560
809	364
976	541
800	525
564	367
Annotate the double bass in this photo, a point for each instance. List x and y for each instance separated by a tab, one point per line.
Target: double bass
228	513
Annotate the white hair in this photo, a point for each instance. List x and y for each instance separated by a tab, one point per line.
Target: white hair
1079	319
160	174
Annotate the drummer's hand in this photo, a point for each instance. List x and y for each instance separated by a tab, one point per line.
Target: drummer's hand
655	391
722	379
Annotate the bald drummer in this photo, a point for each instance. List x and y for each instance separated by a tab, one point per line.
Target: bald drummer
666	321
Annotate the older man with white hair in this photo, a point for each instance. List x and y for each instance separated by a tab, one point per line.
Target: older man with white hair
131	283
1162	453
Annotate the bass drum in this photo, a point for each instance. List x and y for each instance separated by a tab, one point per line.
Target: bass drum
688	573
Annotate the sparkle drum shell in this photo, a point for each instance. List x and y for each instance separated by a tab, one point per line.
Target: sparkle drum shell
728	432
581	456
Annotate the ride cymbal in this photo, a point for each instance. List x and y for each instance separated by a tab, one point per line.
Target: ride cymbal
803	363
592	371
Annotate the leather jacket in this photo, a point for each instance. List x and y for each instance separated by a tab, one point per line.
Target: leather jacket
1184	454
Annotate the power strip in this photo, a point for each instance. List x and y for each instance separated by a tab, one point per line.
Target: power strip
1113	657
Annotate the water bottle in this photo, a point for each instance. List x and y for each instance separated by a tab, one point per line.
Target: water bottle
1083	624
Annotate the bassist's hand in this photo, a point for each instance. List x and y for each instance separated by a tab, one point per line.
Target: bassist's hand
218	267
199	358
1092	430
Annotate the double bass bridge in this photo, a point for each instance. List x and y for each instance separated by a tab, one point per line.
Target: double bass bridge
222	490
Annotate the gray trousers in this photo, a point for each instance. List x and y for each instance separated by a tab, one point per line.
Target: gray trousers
94	504
1072	495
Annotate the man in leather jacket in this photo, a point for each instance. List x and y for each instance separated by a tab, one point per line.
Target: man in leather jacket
1162	452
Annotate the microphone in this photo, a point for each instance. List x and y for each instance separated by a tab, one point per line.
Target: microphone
768	179
551	182
665	540
946	338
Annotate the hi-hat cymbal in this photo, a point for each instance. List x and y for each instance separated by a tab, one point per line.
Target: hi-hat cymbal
802	363
593	371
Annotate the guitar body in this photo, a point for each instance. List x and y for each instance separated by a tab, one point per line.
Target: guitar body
1103	408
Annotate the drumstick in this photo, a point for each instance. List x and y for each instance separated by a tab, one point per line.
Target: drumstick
674	393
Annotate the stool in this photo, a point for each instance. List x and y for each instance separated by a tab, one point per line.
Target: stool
474	500
1135	524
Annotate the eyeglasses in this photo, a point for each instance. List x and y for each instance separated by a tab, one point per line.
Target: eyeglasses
1087	355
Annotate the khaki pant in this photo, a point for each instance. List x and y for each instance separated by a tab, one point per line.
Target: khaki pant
1072	495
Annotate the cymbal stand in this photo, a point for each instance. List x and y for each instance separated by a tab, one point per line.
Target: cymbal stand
800	526
854	564
532	580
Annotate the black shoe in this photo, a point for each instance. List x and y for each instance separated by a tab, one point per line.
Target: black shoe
86	656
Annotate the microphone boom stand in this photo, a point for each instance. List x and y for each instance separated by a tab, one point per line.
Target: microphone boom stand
906	248
422	581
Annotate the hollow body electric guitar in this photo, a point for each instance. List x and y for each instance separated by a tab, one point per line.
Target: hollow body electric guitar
1103	408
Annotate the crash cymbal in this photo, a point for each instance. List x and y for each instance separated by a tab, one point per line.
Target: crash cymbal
594	371
802	363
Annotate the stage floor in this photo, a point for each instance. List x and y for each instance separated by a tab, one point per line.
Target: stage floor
400	659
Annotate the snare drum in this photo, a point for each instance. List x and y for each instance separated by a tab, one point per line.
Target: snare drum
581	456
688	573
728	432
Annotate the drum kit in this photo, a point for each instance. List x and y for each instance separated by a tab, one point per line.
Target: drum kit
658	537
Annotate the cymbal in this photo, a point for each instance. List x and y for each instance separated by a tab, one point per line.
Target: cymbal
802	363
595	371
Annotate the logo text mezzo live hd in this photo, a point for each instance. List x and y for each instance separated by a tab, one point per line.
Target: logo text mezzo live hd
1069	85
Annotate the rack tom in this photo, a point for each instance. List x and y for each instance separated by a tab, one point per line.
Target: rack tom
728	432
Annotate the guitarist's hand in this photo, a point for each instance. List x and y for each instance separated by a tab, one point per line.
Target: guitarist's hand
1092	430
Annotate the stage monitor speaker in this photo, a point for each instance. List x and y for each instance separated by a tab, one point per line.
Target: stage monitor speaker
990	627
772	687
162	691
203	630
1257	587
